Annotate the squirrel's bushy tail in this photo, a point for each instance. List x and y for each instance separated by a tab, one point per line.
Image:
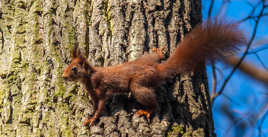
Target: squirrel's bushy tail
206	43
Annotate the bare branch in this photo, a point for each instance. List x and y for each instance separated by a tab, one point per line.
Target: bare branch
250	16
249	69
257	50
260	42
260	60
210	8
214	80
223	8
231	100
261	123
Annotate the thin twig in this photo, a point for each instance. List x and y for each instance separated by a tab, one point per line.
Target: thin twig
261	123
214	80
257	50
223	8
250	16
231	100
210	8
260	60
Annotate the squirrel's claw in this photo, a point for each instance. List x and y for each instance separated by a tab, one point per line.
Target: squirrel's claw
145	113
89	122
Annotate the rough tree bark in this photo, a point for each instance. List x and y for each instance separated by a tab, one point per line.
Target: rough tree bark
36	38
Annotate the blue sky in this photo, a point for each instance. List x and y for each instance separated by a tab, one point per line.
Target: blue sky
243	95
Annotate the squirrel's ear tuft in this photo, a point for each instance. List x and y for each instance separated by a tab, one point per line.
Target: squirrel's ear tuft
74	53
78	52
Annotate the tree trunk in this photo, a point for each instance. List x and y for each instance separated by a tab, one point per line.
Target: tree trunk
36	39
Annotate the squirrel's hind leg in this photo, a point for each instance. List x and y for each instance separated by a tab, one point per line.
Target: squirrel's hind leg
144	96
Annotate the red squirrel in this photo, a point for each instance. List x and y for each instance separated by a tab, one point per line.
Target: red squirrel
207	42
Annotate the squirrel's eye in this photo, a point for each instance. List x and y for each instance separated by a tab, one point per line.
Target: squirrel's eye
74	69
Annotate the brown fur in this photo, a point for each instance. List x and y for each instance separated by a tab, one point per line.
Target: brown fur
206	42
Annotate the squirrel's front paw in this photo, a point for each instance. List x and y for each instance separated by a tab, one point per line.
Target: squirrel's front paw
144	113
89	122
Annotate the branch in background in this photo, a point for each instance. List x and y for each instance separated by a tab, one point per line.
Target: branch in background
210	8
223	8
249	69
214	79
258	50
251	14
251	17
260	60
231	100
239	123
221	12
261	41
214	75
261	124
242	122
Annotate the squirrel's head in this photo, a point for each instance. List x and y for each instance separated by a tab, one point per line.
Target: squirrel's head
78	68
